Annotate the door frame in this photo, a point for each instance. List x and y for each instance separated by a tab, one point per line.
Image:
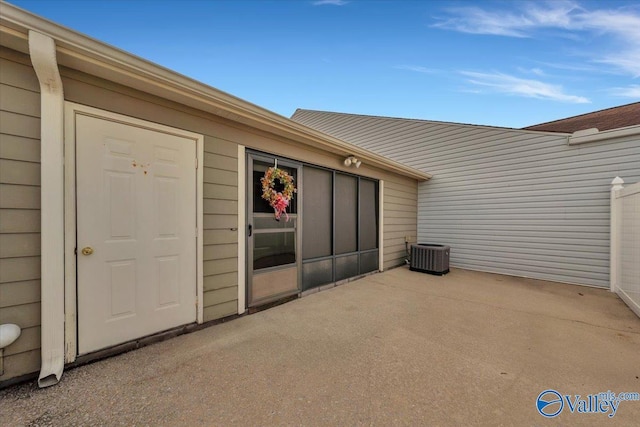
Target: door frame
71	110
250	157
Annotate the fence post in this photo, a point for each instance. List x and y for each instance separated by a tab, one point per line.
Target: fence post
614	240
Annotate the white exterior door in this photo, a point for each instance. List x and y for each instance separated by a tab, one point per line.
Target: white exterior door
136	232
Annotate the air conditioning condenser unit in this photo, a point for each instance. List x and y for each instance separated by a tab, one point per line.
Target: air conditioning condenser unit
430	258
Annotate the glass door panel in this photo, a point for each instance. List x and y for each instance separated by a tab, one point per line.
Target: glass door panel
273	245
273	249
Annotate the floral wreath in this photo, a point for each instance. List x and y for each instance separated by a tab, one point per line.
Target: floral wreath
277	200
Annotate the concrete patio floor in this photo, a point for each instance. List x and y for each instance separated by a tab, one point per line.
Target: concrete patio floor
397	348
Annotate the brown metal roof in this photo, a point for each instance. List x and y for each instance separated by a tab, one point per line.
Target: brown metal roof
610	118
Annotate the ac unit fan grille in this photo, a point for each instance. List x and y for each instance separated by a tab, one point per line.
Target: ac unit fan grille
430	258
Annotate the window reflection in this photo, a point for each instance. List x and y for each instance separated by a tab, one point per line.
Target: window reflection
273	249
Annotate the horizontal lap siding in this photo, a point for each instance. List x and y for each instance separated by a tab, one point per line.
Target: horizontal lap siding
400	213
506	201
525	204
20	211
221	179
220	228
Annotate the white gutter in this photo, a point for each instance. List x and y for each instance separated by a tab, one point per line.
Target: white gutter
594	135
42	50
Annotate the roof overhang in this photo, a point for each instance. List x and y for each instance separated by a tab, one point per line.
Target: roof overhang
82	53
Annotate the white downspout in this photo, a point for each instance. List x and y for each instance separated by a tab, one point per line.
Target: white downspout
42	50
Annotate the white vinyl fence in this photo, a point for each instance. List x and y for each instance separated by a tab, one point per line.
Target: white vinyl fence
625	243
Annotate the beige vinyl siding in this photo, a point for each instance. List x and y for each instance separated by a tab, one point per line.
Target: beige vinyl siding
221	178
220	228
20	211
400	219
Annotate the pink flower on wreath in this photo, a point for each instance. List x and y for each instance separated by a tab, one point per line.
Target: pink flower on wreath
280	206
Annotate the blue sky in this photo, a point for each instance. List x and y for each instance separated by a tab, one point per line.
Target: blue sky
502	63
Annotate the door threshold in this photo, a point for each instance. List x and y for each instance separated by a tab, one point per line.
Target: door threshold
133	345
272	304
145	341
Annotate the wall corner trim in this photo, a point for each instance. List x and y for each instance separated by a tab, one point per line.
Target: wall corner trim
42	50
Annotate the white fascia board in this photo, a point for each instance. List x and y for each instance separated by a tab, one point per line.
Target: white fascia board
88	55
581	137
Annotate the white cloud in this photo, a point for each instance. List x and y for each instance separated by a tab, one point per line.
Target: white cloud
571	19
632	91
537	71
574	67
557	14
478	21
628	61
330	2
416	68
625	26
504	83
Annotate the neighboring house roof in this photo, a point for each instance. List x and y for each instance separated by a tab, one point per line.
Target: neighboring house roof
385	135
77	51
379	134
610	118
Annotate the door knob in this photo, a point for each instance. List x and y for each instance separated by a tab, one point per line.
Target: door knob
87	251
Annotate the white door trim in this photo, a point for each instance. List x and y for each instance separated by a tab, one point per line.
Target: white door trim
242	227
70	111
381	225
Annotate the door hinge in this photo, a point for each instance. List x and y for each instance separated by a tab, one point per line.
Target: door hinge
196	163
75	251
